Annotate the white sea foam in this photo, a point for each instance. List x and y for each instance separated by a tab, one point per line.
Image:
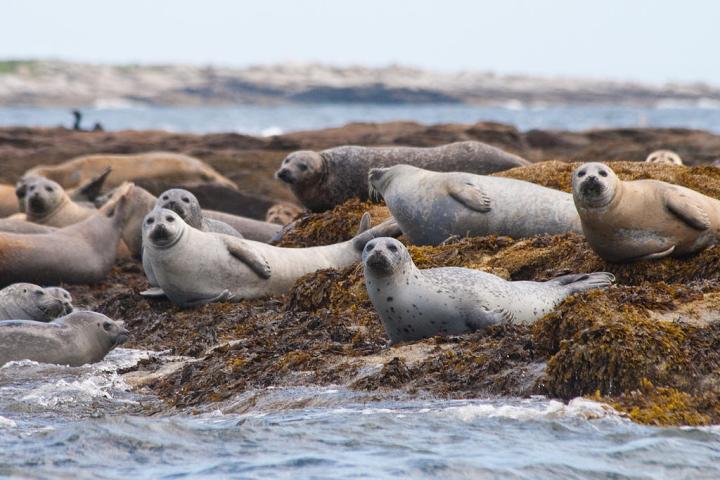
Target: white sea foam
270	131
7	423
533	409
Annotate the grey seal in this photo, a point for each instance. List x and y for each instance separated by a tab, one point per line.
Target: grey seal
27	301
432	206
321	180
187	206
194	267
415	304
642	219
76	339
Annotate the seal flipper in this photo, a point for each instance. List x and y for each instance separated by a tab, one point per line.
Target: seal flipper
153	292
221	297
388	228
687	210
256	262
364	223
470	195
488	318
655	256
90	190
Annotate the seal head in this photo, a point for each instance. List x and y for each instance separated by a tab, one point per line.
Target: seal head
300	168
26	301
184	203
384	256
163	228
40	196
665	157
594	185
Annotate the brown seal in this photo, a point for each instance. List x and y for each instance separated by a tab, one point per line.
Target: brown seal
321	180
81	253
8	201
172	168
642	219
283	213
47	203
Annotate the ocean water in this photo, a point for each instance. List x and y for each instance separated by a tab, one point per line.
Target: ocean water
276	119
86	422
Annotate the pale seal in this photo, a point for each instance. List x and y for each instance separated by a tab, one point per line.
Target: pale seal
667	157
171	168
432	206
283	213
187	206
46	203
26	301
194	267
81	253
415	304
642	219
321	180
76	339
8	201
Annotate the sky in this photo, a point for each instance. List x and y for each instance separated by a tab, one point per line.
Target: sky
650	41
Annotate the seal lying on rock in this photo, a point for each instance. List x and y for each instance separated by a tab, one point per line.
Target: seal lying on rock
432	206
194	267
26	301
75	339
172	168
85	194
321	180
141	202
415	304
667	157
186	205
46	203
642	219
81	253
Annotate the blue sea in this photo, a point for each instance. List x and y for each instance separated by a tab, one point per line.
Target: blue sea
90	422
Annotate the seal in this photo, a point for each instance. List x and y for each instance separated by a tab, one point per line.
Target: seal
8	201
188	208
140	202
642	219
81	253
321	180
172	168
46	203
667	157
415	304
283	213
27	301
76	339
432	206
85	194
21	226
194	267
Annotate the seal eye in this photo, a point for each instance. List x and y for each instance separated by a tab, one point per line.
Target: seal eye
603	173
392	248
170	219
165	197
370	247
302	167
581	173
150	221
107	326
49	189
186	199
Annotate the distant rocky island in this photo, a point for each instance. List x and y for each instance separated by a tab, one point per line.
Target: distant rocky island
65	84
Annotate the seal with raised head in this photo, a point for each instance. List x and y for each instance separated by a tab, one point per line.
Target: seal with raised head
171	168
432	206
76	339
187	206
47	203
194	267
321	180
283	213
667	157
27	301
642	219
81	253
415	304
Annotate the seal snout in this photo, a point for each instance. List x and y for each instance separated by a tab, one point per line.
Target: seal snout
285	175
592	185
159	233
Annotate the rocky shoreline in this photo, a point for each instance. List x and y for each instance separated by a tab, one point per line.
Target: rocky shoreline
649	346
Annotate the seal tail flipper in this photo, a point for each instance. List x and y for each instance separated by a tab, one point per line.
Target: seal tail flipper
589	281
365	223
90	190
223	296
388	228
153	292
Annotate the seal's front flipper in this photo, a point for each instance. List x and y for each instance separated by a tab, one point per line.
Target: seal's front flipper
487	318
655	256
223	296
470	195
687	210
154	292
364	223
255	261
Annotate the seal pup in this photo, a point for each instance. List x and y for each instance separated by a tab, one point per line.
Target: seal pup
432	206
667	157
194	267
81	253
47	203
415	304
172	168
187	206
283	213
76	339
27	301
321	180
642	219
